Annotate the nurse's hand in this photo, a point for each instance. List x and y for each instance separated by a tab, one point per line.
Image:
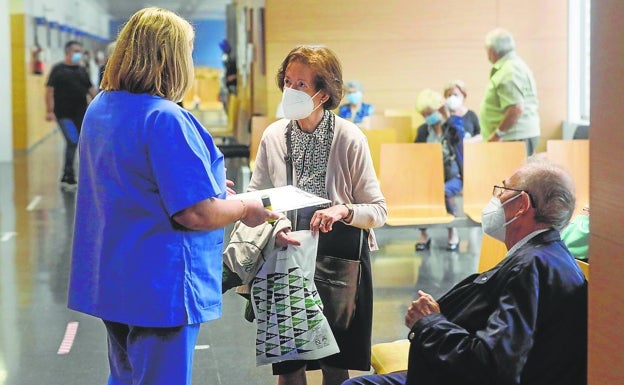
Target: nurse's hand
254	213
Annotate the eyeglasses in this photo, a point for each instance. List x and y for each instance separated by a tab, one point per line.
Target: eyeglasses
497	191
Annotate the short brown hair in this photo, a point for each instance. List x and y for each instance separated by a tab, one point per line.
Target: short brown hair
152	55
325	64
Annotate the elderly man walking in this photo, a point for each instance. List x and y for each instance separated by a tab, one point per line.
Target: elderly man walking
509	108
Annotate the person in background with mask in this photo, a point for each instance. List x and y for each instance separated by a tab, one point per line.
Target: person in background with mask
438	128
455	94
66	101
522	322
355	110
331	159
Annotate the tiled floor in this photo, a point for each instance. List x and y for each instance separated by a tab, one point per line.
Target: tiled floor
35	232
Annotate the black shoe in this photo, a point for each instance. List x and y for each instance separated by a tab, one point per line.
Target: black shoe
68	183
422	246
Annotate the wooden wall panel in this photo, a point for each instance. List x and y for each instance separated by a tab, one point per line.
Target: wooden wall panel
398	47
606	287
606	306
534	19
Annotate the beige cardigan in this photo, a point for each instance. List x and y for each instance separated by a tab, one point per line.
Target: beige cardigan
350	174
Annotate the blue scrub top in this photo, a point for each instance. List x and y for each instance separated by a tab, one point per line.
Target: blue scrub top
143	159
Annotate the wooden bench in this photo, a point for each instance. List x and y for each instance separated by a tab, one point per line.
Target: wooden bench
492	252
390	357
402	125
417	119
487	164
411	176
584	268
376	137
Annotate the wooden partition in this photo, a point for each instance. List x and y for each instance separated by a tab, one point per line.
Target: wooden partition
412	180
606	186
573	155
417	119
402	125
486	164
376	138
492	252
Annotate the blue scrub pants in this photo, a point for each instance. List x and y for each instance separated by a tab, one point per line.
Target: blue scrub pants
397	378
150	356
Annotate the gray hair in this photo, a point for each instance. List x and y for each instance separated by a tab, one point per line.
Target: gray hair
551	189
354	84
500	42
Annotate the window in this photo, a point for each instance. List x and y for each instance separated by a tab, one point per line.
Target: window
579	61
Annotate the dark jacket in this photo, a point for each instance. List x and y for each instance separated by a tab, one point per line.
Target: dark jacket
522	322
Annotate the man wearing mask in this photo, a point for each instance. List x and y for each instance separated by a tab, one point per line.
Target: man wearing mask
66	101
522	322
509	107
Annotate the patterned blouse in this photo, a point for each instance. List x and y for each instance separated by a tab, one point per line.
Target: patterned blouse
310	153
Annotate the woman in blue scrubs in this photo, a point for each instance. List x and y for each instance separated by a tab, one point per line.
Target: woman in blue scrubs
150	207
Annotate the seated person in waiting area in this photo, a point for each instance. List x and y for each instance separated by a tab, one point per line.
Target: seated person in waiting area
522	322
439	127
455	94
355	109
576	235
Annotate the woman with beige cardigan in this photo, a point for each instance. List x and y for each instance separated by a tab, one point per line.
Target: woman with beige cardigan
328	157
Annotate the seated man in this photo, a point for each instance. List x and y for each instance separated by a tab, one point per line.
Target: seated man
522	322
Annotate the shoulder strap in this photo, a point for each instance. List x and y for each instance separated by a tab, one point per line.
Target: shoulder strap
292	214
288	157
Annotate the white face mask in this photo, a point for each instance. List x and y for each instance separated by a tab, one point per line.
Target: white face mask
454	102
297	104
493	218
